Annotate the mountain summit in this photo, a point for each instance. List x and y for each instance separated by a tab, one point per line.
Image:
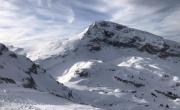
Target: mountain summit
109	33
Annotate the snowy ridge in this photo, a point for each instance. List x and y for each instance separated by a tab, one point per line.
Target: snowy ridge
20	71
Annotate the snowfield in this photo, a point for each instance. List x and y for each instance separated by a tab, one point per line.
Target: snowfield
17	98
108	66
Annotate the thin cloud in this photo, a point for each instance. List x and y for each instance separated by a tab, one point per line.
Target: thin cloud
27	20
156	16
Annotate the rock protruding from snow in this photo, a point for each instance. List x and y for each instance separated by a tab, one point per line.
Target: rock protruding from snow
105	32
20	71
3	48
141	84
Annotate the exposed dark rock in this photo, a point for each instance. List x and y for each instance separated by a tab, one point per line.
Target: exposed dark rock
29	83
161	105
13	55
177	84
120	27
168	94
33	69
146	105
104	24
137	39
167	54
133	91
167	106
164	55
57	95
129	82
150	49
3	48
112	69
153	94
97	48
70	95
108	34
95	44
126	31
6	80
82	73
94	47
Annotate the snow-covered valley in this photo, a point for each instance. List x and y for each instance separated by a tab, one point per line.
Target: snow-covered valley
108	66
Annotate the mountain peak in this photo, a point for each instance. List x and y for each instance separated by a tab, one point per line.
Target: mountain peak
107	24
111	30
117	35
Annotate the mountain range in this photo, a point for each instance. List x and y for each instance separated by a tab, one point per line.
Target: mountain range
108	66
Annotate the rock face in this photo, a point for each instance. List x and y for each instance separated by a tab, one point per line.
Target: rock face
18	70
109	33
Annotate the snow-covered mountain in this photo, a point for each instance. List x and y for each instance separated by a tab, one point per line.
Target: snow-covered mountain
24	85
121	36
92	44
116	67
19	71
108	66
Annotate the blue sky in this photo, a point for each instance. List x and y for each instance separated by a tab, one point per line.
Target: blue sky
29	20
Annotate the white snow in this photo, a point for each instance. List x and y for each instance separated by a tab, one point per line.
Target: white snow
98	83
16	98
100	75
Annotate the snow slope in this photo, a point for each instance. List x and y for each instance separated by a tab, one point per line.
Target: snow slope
115	67
18	98
19	71
26	86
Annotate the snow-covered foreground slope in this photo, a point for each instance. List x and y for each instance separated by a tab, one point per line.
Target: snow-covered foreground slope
115	67
17	98
26	86
20	71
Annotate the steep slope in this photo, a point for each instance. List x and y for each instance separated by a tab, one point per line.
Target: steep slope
114	67
121	36
19	71
18	98
115	37
26	86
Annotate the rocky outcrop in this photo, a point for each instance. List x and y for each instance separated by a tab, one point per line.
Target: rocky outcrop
128	82
20	71
6	80
104	33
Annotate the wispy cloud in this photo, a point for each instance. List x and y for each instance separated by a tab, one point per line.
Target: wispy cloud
23	21
157	16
